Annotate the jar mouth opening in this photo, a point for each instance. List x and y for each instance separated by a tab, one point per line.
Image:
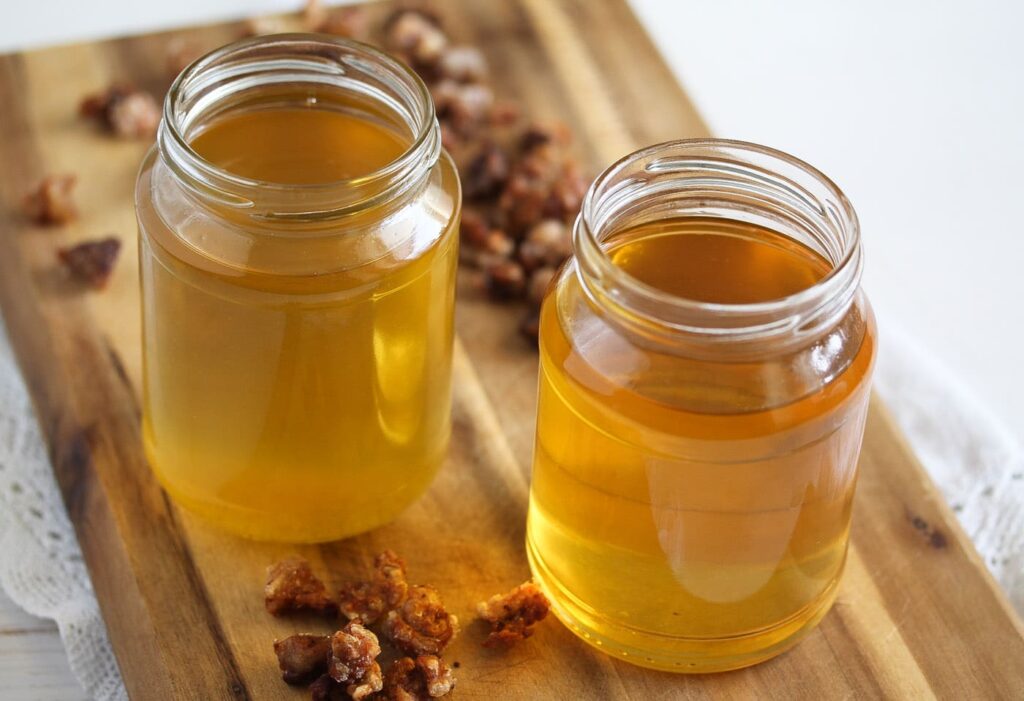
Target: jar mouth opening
690	176
315	59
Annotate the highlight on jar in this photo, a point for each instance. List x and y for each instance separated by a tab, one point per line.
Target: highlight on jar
298	246
705	365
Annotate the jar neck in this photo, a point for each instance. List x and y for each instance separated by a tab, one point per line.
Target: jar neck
729	180
296	68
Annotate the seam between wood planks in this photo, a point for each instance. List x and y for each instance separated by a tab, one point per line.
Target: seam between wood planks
871	602
472	400
604	126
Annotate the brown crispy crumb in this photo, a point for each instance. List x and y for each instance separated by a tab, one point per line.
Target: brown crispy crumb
92	262
473	228
302	658
292	586
403	682
463	64
437	674
326	689
421	625
391	571
524	184
50	202
94	105
504	113
485	174
505	279
483	247
540	280
416	36
513	615
344	665
450	139
371	683
529	326
424	678
136	116
368	601
353	661
499	243
544	184
123	110
547	243
464	107
567	192
361	601
537	135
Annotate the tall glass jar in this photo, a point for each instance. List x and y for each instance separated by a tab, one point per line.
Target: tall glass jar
298	236
705	368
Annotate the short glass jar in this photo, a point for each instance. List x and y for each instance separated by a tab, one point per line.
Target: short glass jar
298	245
705	369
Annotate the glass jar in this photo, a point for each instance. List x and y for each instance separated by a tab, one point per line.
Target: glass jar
705	368
298	244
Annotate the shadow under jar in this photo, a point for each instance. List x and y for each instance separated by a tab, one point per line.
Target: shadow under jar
298	245
705	368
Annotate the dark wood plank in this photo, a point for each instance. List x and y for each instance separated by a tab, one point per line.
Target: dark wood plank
87	410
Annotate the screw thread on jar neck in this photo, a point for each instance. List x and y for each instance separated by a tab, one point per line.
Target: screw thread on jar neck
730	180
221	81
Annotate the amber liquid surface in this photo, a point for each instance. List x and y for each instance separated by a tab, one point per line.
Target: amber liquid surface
692	514
298	406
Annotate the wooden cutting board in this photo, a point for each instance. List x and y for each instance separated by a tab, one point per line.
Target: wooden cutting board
917	615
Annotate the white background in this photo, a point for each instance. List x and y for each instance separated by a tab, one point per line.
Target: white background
915	108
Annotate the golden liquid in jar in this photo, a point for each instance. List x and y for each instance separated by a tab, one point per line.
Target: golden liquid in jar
297	407
688	514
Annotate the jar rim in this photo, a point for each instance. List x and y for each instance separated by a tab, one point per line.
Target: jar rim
650	306
335	54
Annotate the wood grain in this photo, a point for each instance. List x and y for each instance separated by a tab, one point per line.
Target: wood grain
917	616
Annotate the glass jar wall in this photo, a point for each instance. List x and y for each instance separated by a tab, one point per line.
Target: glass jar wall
298	245
705	368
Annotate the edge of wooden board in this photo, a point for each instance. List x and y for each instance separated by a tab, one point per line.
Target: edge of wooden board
949	517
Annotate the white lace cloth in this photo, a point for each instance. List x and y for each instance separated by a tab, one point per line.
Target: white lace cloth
41	566
973	458
979	467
